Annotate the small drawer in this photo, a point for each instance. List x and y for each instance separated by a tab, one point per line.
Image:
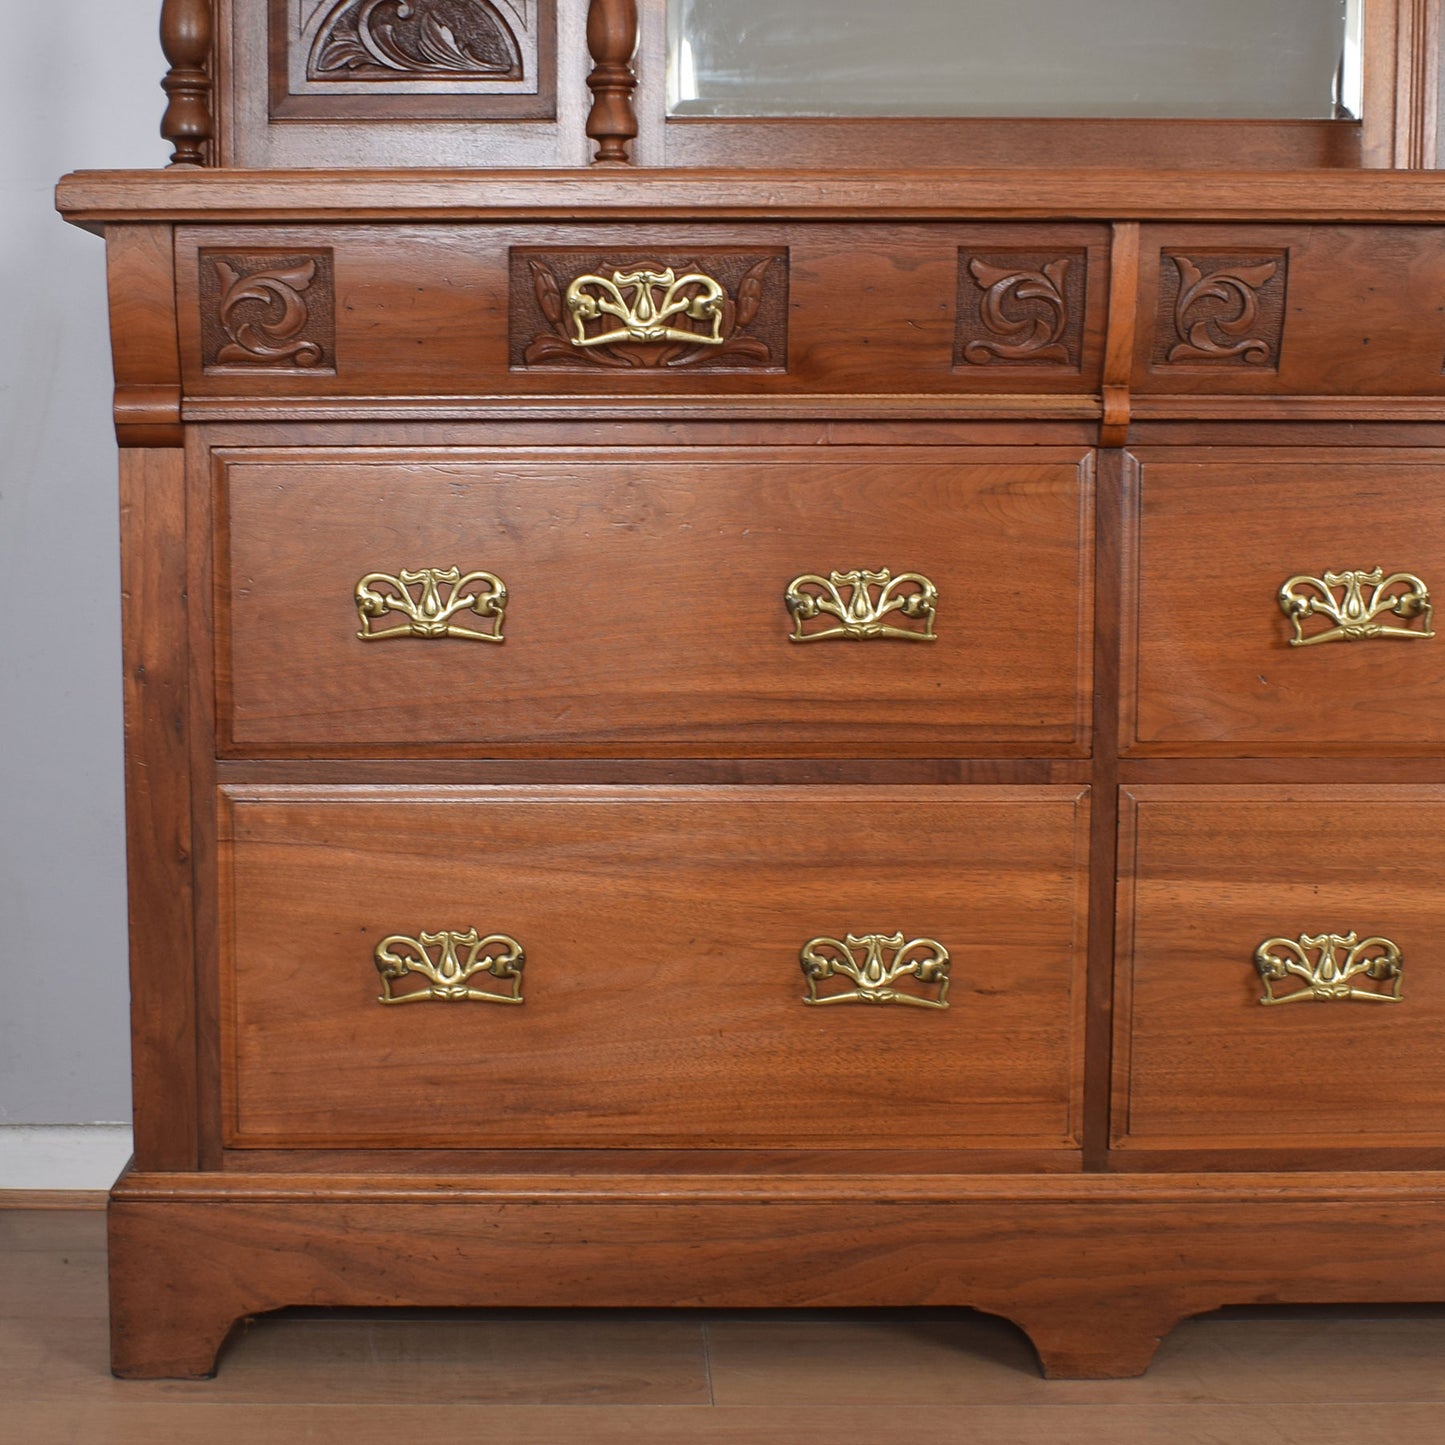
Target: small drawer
875	601
1281	972
603	967
1285	604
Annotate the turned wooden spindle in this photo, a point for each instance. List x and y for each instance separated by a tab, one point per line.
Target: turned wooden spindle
612	41
186	40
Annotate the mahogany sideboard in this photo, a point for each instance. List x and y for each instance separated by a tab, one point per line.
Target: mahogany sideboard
834	738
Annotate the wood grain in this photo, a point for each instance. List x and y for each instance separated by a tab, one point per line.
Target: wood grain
1210	873
1213	668
662	984
647	601
158	807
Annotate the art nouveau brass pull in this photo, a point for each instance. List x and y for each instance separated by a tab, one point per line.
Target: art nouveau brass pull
417	596
644	303
1340	598
448	965
858	602
876	963
1317	971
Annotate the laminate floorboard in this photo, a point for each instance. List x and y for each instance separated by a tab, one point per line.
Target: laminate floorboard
1297	1376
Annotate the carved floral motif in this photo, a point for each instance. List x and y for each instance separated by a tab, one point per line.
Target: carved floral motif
415	37
1221	310
581	310
1019	309
267	310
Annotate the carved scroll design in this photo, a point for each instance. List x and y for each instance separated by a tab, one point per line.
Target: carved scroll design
417	38
186	40
1221	310
579	311
268	310
1021	308
612	42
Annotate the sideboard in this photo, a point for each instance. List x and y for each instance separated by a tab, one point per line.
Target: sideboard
839	737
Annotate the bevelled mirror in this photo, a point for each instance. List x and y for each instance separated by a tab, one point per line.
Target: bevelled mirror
1216	59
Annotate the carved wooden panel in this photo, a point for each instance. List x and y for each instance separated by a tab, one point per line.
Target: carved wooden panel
412	59
1220	311
1021	308
695	310
272	311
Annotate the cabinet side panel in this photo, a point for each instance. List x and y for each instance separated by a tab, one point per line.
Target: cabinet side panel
158	807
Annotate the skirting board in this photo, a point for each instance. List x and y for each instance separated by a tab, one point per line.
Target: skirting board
84	1158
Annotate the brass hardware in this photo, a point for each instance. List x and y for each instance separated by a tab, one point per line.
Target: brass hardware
644	302
450	961
1401	594
379	593
877	973
871	596
1324	977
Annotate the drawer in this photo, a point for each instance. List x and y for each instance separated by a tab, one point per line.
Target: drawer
670	597
1334	892
1354	542
662	935
701	312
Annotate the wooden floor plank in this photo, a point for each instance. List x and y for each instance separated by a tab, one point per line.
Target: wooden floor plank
70	1423
929	1359
26	1229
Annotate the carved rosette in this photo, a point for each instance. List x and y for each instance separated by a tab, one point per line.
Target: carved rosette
1218	311
268	311
1018	308
745	329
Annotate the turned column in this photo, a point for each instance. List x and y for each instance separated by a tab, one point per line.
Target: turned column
186	40
612	41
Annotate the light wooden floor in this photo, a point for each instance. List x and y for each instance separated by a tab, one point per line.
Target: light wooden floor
1297	1377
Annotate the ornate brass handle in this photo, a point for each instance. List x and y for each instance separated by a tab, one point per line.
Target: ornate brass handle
1315	966
417	596
854	605
448	966
1340	598
644	303
876	963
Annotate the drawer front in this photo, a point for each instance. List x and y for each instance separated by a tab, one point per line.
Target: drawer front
1285	605
662	937
678	598
1265	934
563	312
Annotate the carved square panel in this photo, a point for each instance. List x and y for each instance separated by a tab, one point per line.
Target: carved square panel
1021	309
412	59
1220	311
696	310
268	311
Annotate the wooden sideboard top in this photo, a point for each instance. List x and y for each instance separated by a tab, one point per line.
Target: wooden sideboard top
93	198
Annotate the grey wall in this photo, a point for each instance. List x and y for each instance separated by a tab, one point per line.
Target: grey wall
80	90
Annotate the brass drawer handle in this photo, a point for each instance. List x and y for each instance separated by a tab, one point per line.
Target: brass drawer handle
875	963
1315	964
644	303
859	601
448	965
417	596
1340	598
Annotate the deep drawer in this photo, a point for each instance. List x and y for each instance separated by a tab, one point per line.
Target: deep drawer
663	936
1334	893
663	598
1353	544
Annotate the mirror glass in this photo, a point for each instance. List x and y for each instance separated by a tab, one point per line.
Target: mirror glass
1262	59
